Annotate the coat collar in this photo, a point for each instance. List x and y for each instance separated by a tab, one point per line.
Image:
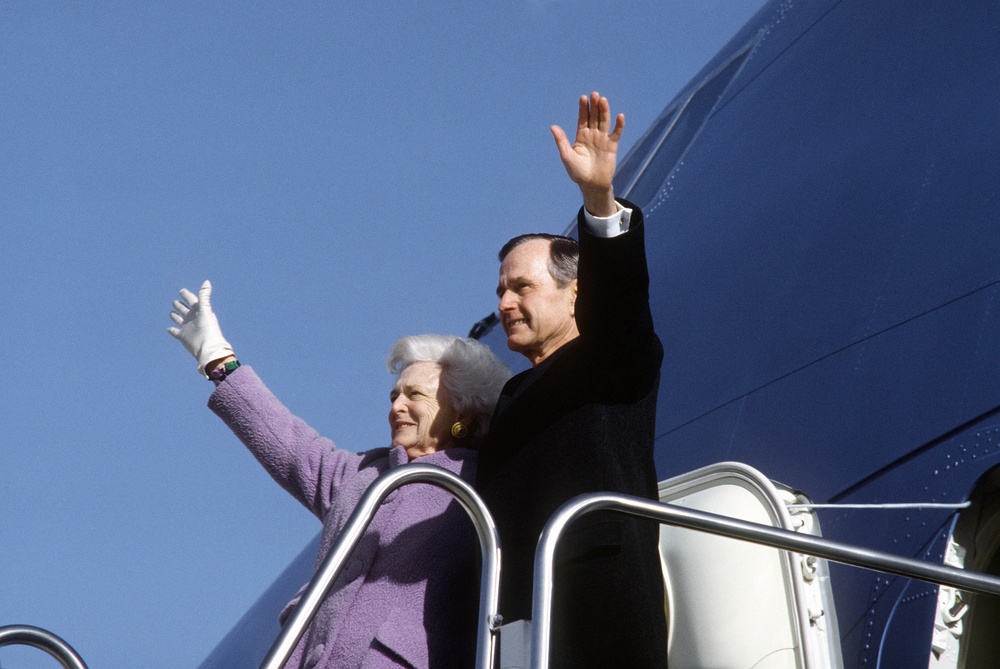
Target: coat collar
451	459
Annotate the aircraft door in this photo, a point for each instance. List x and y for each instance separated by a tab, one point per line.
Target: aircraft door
731	603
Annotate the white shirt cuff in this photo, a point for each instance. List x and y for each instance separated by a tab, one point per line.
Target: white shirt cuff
608	226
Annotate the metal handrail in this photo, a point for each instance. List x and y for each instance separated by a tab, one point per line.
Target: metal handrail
319	587
712	523
26	635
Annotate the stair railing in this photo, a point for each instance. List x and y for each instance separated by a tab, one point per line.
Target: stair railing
327	573
541	613
36	637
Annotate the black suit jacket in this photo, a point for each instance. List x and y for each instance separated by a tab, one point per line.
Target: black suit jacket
583	421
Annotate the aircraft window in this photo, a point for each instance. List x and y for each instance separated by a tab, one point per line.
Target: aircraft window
680	133
639	156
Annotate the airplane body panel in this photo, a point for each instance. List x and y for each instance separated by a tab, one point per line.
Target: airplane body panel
814	230
825	282
841	419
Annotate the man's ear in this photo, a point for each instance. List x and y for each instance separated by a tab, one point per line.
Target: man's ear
573	294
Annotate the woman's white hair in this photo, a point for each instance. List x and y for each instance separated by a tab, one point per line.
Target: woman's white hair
470	372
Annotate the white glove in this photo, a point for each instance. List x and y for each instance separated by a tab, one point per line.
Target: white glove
199	329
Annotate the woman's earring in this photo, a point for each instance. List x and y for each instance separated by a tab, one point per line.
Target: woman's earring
458	430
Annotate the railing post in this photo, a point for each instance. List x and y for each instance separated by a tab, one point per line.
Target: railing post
327	573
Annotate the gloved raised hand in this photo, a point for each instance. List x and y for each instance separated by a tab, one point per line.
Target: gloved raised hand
198	328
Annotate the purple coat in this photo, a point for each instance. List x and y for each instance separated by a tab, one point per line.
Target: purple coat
408	596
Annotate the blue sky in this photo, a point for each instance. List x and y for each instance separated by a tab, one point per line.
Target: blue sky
343	173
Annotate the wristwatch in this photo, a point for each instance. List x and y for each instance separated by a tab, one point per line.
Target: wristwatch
220	373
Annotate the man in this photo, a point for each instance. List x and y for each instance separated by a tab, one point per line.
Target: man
582	418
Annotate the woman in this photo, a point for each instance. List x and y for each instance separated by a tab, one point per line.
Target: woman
408	595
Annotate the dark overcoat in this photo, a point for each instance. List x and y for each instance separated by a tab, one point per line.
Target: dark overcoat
583	421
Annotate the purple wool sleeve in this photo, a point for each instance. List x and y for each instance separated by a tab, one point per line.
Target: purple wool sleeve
308	466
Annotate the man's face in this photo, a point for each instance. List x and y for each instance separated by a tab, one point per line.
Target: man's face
536	315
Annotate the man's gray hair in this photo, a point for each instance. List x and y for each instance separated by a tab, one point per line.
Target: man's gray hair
564	254
470	372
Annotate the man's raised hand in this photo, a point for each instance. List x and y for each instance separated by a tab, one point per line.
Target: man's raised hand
592	158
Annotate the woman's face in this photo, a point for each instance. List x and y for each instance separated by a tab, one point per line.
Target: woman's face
421	415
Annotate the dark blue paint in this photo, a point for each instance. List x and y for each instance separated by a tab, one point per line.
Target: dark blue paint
824	277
